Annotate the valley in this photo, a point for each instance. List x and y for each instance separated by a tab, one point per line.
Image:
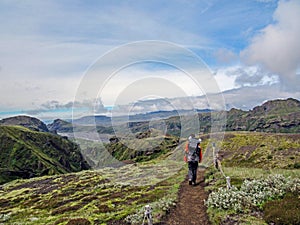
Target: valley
49	179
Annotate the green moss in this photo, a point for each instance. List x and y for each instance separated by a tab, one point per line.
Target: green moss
26	153
60	198
259	150
284	211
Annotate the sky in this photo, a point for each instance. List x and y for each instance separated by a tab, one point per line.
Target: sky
48	49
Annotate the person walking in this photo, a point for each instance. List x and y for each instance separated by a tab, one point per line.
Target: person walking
193	156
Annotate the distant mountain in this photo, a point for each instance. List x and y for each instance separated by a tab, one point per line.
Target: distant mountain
277	116
100	120
273	116
26	121
92	120
60	126
278	107
162	114
26	153
282	115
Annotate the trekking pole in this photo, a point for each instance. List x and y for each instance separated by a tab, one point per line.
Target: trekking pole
218	166
147	214
228	182
215	155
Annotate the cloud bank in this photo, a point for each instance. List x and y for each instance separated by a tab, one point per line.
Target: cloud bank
277	47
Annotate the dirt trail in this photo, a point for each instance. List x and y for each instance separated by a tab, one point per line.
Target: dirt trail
190	209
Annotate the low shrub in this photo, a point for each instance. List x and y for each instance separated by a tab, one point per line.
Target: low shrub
297	165
283	211
252	194
79	221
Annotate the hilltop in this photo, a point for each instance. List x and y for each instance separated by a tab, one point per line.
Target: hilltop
61	126
272	116
26	121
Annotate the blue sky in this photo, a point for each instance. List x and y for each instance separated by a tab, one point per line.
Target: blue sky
46	47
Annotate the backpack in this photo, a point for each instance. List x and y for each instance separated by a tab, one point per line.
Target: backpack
193	149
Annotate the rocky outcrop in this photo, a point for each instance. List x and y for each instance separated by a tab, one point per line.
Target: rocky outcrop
60	126
281	116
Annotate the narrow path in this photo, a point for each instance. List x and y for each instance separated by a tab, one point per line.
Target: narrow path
190	209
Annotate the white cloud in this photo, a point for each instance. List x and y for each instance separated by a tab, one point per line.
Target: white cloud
225	80
30	93
135	83
45	54
277	46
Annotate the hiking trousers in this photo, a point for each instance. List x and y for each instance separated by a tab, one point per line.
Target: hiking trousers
193	166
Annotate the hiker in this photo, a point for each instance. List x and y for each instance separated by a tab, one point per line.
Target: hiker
193	156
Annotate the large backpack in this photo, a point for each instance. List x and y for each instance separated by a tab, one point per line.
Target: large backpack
193	149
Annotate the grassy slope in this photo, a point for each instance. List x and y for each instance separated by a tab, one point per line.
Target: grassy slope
261	150
247	155
100	196
26	153
127	150
108	195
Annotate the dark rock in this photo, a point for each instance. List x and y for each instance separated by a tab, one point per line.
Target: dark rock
60	126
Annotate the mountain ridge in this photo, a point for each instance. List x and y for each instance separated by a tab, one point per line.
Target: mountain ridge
31	123
279	115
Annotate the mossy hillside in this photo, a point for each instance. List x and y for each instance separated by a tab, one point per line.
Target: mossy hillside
259	150
273	116
26	153
283	211
247	156
143	149
100	197
128	151
278	107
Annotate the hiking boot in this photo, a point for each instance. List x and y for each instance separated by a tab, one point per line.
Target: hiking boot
190	182
194	183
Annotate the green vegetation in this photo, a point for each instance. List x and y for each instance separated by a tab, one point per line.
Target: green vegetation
277	116
283	211
148	169
26	153
99	197
126	150
273	116
260	150
263	175
255	199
